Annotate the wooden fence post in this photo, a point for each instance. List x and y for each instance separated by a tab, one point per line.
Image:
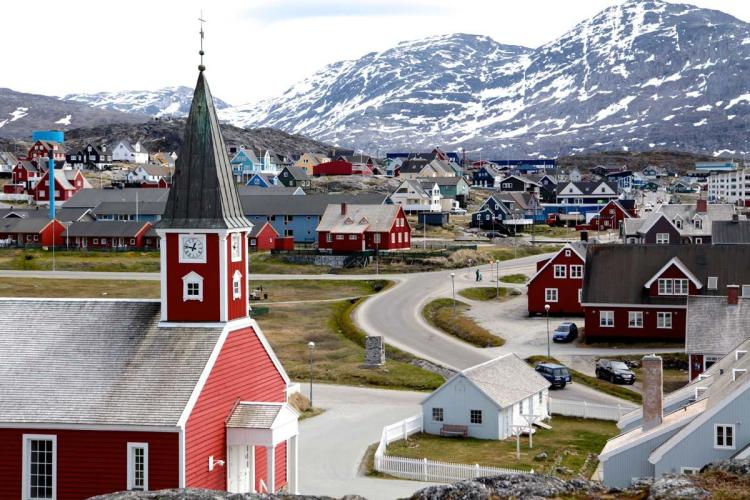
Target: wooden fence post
424	469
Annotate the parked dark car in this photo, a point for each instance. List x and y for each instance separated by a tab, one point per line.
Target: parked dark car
557	375
614	371
566	332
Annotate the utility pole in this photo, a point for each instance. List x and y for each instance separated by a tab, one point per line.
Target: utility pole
453	286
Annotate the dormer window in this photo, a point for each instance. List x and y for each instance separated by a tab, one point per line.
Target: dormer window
364	220
698	222
348	221
713	283
737	372
677	223
192	287
670	286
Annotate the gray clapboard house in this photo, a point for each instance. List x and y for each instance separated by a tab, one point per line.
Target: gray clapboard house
705	421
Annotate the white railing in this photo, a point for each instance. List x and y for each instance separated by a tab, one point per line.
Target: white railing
423	469
588	410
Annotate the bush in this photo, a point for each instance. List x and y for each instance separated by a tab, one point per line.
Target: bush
439	313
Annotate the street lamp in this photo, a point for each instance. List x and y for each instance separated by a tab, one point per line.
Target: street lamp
546	309
311	348
497	278
453	286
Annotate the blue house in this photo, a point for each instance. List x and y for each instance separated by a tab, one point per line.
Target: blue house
488	175
261	180
244	165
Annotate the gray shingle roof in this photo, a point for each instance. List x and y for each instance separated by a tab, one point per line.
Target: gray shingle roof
255	205
105	228
731	232
254	415
90	198
126	208
713	327
359	218
96	362
271	190
17	226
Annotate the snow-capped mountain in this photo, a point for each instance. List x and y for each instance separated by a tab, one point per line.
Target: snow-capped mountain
20	113
639	75
168	101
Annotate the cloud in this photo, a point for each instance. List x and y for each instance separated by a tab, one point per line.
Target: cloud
285	10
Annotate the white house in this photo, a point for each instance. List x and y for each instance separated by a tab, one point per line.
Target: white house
123	151
150	174
418	196
492	400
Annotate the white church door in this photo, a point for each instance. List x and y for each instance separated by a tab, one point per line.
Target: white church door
241	469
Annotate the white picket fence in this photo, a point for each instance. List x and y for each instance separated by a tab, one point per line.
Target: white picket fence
588	410
425	470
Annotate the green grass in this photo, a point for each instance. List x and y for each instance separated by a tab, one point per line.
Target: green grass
567	444
593	382
439	313
484	293
507	253
265	263
72	288
518	278
543	230
103	261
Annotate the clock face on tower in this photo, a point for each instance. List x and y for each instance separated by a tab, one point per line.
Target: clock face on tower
192	248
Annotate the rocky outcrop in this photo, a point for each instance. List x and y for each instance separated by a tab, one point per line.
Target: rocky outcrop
201	494
509	486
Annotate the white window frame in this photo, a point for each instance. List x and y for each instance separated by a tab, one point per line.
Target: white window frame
131	472
339	237
549	293
567	253
689	471
438	412
376	238
745	291
26	464
662	238
576	271
562	274
724	446
353	237
329	238
635	319
607	319
236	238
713	283
661	317
192	278
236	285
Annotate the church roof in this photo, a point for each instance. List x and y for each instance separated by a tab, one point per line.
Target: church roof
203	194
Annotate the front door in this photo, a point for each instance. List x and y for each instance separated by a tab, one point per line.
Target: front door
241	469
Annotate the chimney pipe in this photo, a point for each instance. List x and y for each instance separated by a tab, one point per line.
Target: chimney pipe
702	206
653	395
584	235
343	209
735	218
733	295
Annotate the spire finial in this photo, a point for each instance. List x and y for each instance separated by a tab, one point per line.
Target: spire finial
201	67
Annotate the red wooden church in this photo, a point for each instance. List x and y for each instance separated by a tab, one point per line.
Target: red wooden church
105	395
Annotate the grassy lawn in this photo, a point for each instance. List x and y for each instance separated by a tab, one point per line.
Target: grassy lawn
339	348
41	260
567	444
439	313
484	293
265	263
65	288
546	231
675	373
593	382
518	279
507	253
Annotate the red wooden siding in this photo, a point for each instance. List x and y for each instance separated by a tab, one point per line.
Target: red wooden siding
243	371
671	272
237	307
621	330
208	309
280	476
265	239
91	462
388	241
567	288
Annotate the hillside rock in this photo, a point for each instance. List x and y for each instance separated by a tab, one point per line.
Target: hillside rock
201	494
641	75
676	487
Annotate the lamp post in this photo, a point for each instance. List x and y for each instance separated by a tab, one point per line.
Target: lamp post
453	287
311	348
546	310
497	278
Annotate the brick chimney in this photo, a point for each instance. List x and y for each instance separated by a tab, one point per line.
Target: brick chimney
653	395
733	295
343	209
701	206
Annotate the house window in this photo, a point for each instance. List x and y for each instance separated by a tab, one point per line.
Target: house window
96	241
288	219
550	294
339	236
607	319
329	237
567	253
192	287
635	319
393	237
677	223
132	241
559	271
236	245
138	466
288	232
39	466
663	319
698	241
724	436
713	282
376	238
698	223
689	471
437	414
352	236
237	285
746	291
475	416
576	271
662	238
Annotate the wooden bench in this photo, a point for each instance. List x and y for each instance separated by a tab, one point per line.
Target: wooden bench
454	430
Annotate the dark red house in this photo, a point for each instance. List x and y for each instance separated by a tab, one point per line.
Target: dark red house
32	232
610	217
356	228
27	174
263	237
184	391
67	184
335	167
41	149
640	292
558	282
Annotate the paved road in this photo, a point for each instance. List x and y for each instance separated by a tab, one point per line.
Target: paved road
333	444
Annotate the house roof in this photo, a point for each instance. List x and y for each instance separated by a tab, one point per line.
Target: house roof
588	187
123	371
248	153
125	144
203	194
156	170
358	218
714	327
523	199
90	198
504	380
413	166
270	190
28	166
443	181
631	266
632	226
578	247
257	228
730	232
311	204
129	208
8	158
416	185
22	226
688	212
105	229
298	173
62	214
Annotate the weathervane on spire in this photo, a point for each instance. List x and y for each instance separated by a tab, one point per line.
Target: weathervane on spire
201	67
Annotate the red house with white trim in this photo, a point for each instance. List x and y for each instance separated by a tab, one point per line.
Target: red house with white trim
184	391
41	149
32	232
610	217
67	184
348	228
26	173
558	282
263	237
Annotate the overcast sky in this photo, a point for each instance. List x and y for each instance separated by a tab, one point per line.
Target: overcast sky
254	48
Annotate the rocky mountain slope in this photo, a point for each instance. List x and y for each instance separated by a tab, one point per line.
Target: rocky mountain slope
20	113
168	101
641	75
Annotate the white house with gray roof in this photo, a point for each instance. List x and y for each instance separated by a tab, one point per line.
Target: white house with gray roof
492	400
418	196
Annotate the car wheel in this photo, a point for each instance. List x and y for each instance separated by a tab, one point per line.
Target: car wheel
562	386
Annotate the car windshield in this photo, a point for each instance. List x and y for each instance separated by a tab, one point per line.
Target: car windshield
563	328
560	372
619	365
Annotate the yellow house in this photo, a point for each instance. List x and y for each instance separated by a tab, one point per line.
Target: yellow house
309	160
